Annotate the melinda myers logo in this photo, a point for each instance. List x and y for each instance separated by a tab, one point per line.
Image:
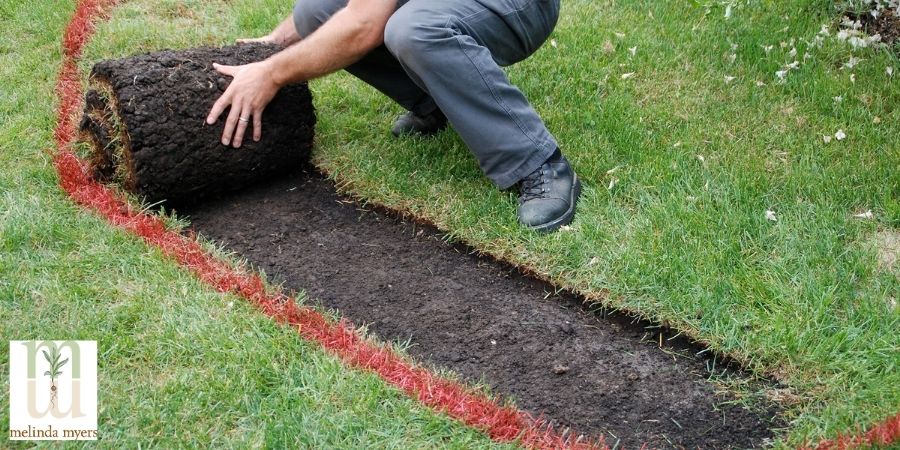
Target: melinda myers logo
52	390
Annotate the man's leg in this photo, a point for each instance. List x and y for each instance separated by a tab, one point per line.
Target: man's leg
453	49
379	68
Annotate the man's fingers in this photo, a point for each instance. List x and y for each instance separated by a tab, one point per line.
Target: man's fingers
252	40
257	126
218	107
226	70
231	123
242	123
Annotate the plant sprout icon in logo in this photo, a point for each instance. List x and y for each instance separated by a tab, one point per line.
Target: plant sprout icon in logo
55	366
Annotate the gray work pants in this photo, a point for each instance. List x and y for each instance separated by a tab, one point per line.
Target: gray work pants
447	54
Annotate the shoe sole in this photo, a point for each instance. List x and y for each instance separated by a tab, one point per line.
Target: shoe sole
569	215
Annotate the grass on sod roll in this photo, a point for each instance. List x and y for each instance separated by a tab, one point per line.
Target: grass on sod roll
684	119
180	364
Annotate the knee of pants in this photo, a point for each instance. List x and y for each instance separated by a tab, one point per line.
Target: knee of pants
411	37
309	15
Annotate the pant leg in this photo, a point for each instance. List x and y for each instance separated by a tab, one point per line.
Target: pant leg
379	68
453	49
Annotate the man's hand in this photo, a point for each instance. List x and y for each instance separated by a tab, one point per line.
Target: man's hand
346	37
267	39
284	34
248	94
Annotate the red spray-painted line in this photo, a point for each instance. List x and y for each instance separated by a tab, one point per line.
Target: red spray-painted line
882	434
500	423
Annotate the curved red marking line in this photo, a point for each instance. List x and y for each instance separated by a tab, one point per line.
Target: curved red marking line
500	423
882	434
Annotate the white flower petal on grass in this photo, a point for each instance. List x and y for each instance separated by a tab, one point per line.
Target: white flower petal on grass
852	62
889	71
613	170
628	75
593	261
553	43
865	215
701	158
853	78
633	50
781	74
858	42
876	120
840	135
767	48
760	84
612	183
566	228
732	58
620	35
728	11
770	216
827	138
838	99
850	23
818	42
793	52
793	65
729	79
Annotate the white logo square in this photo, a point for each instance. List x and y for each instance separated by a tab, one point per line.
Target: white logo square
52	390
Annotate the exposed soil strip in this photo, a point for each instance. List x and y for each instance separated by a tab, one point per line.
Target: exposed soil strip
501	423
593	374
145	121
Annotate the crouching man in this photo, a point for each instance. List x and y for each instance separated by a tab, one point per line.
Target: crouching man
440	60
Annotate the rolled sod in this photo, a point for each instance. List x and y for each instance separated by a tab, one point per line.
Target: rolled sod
144	121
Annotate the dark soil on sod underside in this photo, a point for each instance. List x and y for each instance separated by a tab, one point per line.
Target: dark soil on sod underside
145	119
600	374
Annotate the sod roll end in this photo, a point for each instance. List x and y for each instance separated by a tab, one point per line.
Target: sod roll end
145	122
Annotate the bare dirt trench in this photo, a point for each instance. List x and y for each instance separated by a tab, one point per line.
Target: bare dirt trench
600	374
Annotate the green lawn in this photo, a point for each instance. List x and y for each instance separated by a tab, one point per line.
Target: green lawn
695	159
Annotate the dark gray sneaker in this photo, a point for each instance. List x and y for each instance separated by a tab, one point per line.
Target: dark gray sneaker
547	196
411	123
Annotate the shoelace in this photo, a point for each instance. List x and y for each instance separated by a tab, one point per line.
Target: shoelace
533	185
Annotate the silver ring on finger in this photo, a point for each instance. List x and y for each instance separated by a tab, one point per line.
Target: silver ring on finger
243	119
